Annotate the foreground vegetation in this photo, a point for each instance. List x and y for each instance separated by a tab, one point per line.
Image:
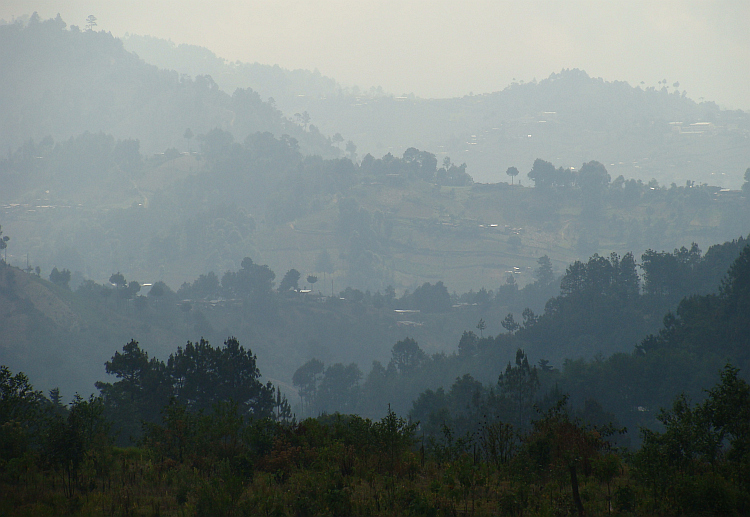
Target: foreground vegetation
226	444
58	460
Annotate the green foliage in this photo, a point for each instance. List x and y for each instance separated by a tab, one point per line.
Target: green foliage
430	298
466	411
481	326
593	179
509	324
519	384
559	446
603	307
406	356
544	273
306	380
225	463
701	459
339	389
84	435
695	325
61	278
499	442
512	172
542	173
18	399
20	408
467	346
118	280
197	376
204	287
3	241
202	375
667	275
611	276
253	282
139	395
290	282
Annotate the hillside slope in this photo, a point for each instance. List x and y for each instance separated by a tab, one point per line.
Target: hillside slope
61	82
60	339
569	118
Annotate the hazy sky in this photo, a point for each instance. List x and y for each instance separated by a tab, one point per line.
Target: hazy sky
445	48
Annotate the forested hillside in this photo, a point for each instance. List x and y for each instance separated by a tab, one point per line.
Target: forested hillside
60	81
225	443
83	190
95	205
569	118
287	87
598	325
373	230
602	307
217	303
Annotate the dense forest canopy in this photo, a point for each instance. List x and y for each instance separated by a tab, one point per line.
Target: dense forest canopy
523	433
601	307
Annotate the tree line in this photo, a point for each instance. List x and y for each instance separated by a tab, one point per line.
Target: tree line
59	458
213	439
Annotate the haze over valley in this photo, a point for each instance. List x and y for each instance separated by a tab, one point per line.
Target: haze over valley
256	271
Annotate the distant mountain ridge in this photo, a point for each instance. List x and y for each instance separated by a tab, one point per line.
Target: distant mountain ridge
284	86
568	118
61	82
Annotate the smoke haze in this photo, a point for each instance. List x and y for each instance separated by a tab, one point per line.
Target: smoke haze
449	48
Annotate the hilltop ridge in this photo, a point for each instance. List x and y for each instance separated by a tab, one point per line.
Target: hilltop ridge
87	81
569	118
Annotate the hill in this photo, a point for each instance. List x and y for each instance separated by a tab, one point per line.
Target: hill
62	339
223	444
288	88
569	118
95	206
60	82
250	191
